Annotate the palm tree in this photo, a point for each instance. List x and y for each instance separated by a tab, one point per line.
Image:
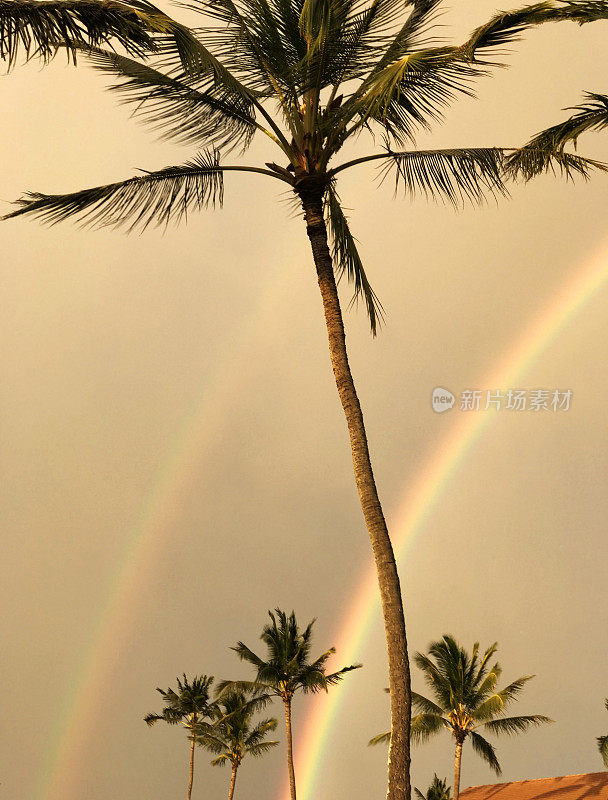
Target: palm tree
438	790
310	76
602	742
286	670
466	699
190	706
232	736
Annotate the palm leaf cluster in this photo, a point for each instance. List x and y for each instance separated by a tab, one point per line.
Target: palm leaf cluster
546	150
42	28
286	668
231	735
309	75
438	790
191	701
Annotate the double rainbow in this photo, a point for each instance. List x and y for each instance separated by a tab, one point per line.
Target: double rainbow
62	769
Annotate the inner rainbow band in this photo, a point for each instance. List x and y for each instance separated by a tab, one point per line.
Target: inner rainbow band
420	500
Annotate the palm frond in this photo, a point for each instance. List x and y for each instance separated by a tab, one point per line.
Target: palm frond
248	43
246	654
176	109
456	175
382	738
258	750
497	702
540	156
227	687
424	705
156	197
602	746
347	260
591	115
435	680
545	151
484	749
410	93
37	28
488	682
511	725
507	26
220	760
258	733
336	677
496	670
423	726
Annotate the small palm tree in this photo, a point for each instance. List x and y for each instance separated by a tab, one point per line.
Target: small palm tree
466	699
602	742
190	706
232	736
438	790
286	670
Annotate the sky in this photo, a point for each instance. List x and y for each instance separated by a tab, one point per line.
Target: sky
175	460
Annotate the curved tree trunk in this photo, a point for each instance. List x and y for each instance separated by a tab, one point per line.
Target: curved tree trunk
290	769
232	782
457	759
388	579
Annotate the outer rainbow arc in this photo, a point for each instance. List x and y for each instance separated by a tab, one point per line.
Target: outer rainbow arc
61	774
425	493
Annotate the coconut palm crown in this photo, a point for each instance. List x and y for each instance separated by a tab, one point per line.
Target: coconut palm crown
233	734
309	76
466	701
286	670
190	705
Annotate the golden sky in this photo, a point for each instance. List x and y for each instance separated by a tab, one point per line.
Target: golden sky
176	388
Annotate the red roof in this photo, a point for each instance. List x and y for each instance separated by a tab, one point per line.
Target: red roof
592	786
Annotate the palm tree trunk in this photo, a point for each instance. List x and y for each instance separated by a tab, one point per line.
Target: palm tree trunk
191	768
290	769
457	759
388	579
232	782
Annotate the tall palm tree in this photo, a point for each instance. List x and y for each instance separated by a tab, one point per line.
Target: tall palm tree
232	736
466	699
286	670
602	742
438	790
190	705
310	76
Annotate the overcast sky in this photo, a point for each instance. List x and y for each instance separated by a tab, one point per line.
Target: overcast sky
175	460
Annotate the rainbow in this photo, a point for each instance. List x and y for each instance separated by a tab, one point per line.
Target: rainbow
364	613
61	769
